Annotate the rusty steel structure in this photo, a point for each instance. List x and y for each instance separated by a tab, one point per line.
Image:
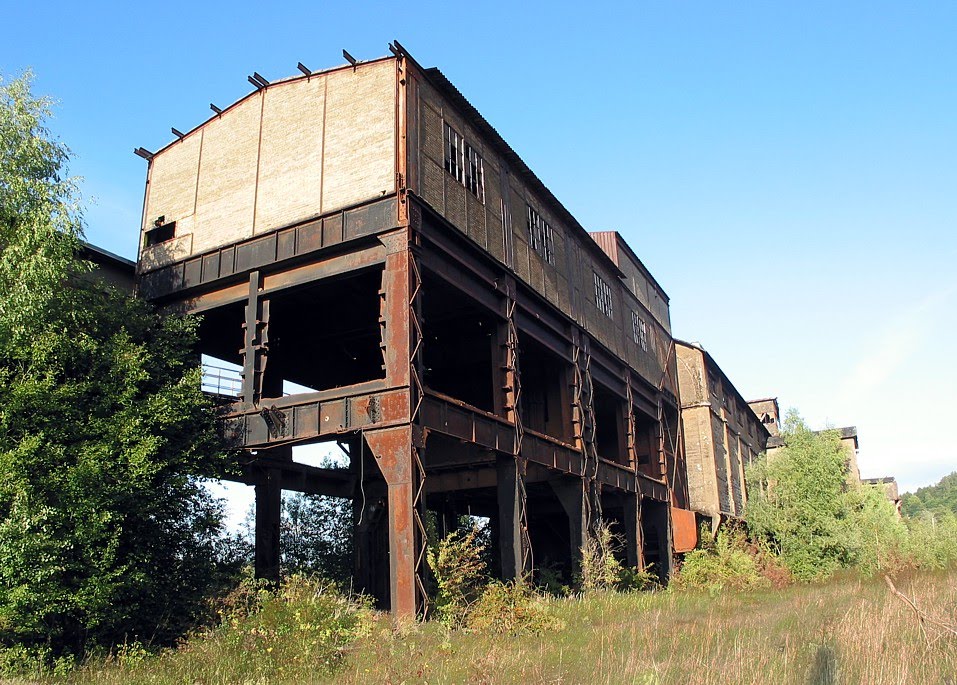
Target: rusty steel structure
390	276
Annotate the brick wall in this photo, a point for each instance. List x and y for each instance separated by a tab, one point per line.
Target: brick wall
294	150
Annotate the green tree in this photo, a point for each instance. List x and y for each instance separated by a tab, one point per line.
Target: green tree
802	506
103	534
940	497
316	536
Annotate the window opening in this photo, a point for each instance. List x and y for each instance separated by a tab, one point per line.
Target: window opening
453	153
474	173
540	236
639	331
603	296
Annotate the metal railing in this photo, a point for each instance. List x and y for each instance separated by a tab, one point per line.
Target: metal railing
222	381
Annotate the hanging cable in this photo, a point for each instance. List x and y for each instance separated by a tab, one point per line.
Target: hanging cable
362	475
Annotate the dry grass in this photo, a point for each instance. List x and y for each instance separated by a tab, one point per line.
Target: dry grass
845	631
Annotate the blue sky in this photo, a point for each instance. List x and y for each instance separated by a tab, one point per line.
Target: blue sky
788	171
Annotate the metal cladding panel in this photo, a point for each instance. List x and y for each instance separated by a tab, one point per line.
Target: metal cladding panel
684	530
608	242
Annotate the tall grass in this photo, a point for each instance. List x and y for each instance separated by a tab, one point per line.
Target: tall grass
847	630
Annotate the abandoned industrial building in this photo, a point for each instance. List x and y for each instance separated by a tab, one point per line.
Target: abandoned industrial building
389	275
722	435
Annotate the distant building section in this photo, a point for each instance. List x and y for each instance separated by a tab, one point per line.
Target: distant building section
768	413
721	433
111	268
889	485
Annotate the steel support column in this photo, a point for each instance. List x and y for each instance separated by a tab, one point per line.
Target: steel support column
572	494
268	515
634	544
515	542
256	328
392	449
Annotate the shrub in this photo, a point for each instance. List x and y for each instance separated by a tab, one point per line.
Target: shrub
304	625
798	504
459	570
600	568
727	564
931	540
511	609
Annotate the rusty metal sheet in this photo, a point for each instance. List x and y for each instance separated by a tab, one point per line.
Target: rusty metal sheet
306	420
192	273
332	230
309	237
684	529
211	267
285	245
369	219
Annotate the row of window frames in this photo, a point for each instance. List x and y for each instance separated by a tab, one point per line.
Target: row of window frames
604	302
464	163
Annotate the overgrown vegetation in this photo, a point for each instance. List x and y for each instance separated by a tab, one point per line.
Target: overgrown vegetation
466	598
850	626
728	562
802	507
103	538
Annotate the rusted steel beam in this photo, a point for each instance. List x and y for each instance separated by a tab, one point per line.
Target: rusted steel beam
653	489
474	478
297	477
325	266
394	320
392	449
290	421
514	543
572	493
256	330
634	542
268	252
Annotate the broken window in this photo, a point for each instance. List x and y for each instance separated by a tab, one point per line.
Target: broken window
603	296
540	236
453	153
639	331
160	233
474	173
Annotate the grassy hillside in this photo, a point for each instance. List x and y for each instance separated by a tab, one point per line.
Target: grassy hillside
941	496
847	630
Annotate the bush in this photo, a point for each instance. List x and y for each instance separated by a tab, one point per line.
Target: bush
798	503
931	540
727	564
302	626
511	609
601	567
459	570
